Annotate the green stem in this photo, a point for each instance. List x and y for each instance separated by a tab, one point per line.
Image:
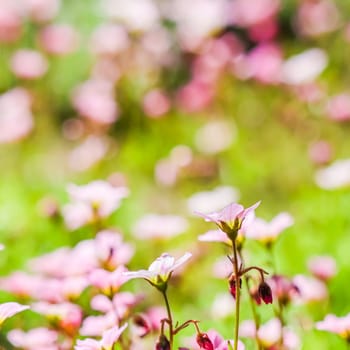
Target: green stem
170	318
255	314
238	293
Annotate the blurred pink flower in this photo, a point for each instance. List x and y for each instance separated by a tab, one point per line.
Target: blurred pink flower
195	96
109	39
322	267
108	282
59	39
41	10
264	63
88	153
156	226
160	270
64	262
250	13
310	289
11	23
136	15
222	305
111	251
320	152
28	64
150	321
109	338
338	107
121	303
156	103
215	236
34	339
268	232
231	219
90	202
337	325
209	201
336	175
304	67
95	100
16	119
94	326
2	247
10	309
215	137
67	315
317	17
283	289
20	284
270	334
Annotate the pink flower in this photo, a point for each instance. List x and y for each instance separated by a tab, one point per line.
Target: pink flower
270	334
108	282
88	153
109	338
231	218
28	64
69	316
208	201
95	200
2	247
268	232
338	107
310	289
155	104
215	236
111	251
195	96
58	39
35	339
304	67
94	100
322	267
335	175
320	152
109	39
337	325
265	62
9	309
42	10
10	22
16	119
160	270
153	226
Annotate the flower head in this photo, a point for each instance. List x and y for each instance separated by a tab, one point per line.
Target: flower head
109	338
160	270
230	219
337	325
9	309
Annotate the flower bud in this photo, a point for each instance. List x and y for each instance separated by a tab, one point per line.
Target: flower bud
232	282
204	342
265	293
163	343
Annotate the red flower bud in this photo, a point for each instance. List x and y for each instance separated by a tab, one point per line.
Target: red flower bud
265	293
163	343
232	282
204	342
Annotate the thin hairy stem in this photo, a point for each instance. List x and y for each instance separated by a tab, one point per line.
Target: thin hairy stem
238	293
170	319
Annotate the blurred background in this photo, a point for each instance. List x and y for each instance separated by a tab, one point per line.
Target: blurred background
242	100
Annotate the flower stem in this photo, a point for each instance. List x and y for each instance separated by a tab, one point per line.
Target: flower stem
170	318
238	293
254	312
